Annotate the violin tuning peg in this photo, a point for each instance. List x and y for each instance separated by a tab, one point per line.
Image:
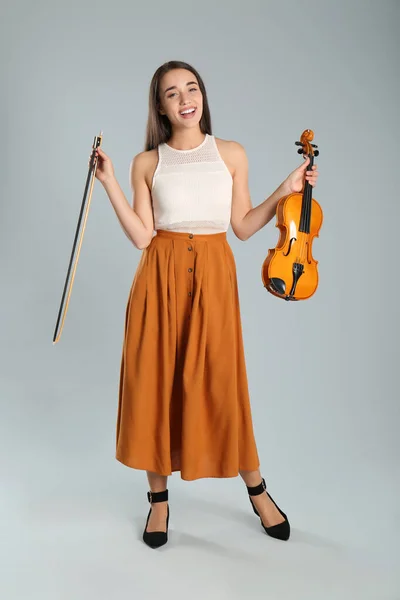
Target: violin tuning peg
298	144
316	153
314	145
300	151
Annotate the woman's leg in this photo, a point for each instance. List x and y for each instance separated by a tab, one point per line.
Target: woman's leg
158	517
269	514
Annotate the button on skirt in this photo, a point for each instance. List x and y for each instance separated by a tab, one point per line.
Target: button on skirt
183	393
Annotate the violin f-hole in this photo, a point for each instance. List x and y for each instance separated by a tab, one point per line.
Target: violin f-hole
309	259
293	239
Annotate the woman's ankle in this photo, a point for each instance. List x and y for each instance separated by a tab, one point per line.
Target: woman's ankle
251	478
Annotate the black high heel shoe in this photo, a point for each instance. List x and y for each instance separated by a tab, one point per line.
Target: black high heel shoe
280	531
155	539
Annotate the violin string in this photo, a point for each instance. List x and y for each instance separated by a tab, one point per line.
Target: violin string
304	236
303	213
301	257
300	251
307	219
309	207
305	223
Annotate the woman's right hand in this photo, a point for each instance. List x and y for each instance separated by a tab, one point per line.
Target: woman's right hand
105	169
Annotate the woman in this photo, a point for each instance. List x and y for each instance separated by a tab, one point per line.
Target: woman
183	397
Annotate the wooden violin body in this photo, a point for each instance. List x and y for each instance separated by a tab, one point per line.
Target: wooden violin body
290	271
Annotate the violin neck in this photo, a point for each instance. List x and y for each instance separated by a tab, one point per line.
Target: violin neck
305	217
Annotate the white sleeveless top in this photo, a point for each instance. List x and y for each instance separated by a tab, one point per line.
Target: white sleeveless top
192	189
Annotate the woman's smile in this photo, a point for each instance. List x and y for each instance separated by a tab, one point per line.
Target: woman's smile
188	113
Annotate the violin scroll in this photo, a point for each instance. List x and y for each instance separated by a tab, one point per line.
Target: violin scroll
307	148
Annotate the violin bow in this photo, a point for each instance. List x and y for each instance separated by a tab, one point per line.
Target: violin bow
79	233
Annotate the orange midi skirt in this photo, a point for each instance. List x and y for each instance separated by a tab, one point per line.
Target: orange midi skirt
183	393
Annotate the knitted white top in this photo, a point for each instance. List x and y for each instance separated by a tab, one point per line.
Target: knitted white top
192	189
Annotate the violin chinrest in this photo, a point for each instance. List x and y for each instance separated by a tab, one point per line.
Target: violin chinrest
278	285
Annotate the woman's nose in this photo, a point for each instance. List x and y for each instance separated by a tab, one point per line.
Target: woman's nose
185	99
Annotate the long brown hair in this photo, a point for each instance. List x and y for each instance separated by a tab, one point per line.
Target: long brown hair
158	128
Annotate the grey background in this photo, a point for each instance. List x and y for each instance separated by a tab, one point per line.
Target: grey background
322	373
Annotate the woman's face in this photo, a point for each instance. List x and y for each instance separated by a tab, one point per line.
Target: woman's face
180	92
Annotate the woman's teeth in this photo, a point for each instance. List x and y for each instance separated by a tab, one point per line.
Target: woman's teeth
188	113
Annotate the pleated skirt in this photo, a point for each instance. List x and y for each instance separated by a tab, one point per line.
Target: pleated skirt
183	393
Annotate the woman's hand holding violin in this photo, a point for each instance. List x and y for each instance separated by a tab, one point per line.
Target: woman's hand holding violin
296	179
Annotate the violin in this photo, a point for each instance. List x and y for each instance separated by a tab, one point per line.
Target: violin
290	271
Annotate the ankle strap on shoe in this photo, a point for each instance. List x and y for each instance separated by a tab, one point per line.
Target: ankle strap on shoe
257	489
154	497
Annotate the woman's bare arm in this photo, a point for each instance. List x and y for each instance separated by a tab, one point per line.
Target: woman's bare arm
136	220
245	219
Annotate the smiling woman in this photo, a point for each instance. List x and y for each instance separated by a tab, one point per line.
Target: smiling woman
183	397
177	94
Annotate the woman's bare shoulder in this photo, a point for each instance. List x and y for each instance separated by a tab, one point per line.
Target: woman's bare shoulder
146	158
231	146
144	164
231	152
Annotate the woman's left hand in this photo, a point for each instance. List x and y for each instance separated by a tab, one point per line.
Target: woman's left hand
295	180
